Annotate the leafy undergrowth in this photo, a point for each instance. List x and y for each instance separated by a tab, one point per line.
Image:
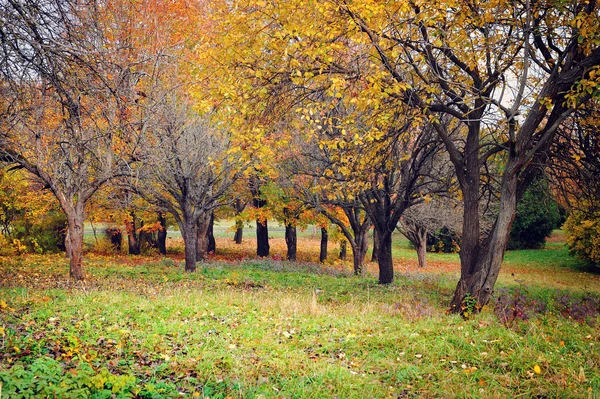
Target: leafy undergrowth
272	329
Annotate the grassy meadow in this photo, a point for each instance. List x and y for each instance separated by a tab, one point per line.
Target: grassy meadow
241	327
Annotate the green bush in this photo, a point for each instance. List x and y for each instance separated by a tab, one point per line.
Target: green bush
583	234
443	241
537	215
46	234
46	378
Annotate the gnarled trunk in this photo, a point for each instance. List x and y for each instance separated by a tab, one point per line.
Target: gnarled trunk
324	240
291	241
480	274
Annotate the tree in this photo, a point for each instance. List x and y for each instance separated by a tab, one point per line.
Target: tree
186	170
421	219
69	89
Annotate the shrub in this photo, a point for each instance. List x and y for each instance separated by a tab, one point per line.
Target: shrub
583	235
45	234
537	215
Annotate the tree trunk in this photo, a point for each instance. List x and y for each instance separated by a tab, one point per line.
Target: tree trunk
262	238
421	246
375	246
202	234
162	234
67	244
239	232
291	241
417	235
359	251
343	249
75	238
478	278
324	240
132	237
189	231
212	244
384	258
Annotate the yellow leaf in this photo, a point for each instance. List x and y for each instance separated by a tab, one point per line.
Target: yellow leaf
536	369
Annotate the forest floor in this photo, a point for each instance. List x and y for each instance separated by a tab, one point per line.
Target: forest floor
242	327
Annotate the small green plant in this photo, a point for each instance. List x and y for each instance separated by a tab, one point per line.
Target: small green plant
469	305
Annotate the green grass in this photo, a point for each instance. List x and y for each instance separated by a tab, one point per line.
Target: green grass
268	329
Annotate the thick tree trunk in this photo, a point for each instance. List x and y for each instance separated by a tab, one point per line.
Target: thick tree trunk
375	246
75	238
212	244
132	237
343	249
189	231
384	258
162	234
239	232
324	240
291	241
479	277
262	238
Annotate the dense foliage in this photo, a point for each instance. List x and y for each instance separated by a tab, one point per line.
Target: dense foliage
537	215
583	235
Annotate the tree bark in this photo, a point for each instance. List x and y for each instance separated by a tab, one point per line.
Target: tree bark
262	239
189	231
375	246
75	238
202	240
162	234
478	278
324	240
417	235
132	237
384	258
212	244
421	247
239	232
291	241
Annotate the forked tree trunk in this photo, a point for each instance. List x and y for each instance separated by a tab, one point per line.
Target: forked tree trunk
324	240
417	235
291	241
384	258
162	234
479	276
75	238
